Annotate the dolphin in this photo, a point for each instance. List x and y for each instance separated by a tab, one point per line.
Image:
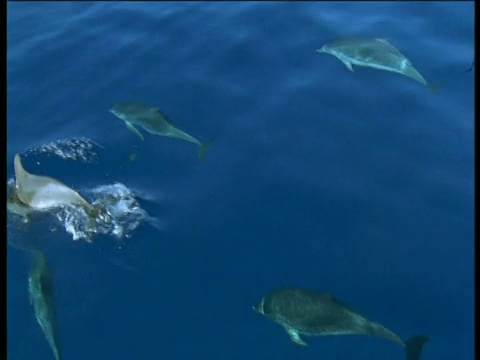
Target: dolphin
40	289
152	120
42	193
308	312
374	53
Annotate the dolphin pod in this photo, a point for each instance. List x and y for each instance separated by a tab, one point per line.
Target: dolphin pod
298	311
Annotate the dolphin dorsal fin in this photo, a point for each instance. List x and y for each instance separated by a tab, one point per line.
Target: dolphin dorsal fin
385	41
20	176
20	172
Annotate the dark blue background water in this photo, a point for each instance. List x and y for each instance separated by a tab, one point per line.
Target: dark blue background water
359	184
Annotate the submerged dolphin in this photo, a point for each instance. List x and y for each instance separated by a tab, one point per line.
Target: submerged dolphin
40	289
42	193
303	311
152	120
373	53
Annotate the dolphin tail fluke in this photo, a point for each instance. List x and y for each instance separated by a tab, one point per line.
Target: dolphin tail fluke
348	65
203	148
414	346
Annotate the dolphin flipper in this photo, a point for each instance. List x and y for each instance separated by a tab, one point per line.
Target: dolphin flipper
345	62
134	130
295	336
348	65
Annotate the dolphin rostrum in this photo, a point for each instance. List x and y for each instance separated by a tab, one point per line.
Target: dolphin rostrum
374	53
308	312
152	120
40	289
43	193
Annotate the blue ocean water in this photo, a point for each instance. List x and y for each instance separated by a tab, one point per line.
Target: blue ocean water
359	184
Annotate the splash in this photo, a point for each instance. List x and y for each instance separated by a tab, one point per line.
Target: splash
80	148
118	214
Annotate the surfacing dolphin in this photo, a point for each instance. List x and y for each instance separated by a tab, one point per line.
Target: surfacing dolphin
374	53
308	312
152	120
40	290
42	193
